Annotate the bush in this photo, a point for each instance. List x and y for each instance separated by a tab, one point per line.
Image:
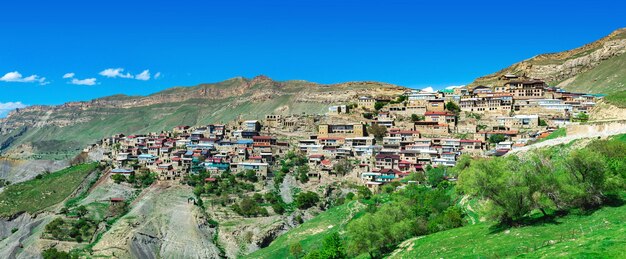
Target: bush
305	200
415	117
497	138
53	253
278	208
551	179
378	131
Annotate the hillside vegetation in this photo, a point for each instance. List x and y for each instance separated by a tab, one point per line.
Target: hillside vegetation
597	234
560	201
309	234
44	191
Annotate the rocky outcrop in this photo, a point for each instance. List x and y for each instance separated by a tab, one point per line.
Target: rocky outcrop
561	68
162	224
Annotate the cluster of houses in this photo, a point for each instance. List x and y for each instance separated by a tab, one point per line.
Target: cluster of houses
421	130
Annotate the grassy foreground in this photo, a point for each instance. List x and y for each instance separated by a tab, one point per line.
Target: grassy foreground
37	194
599	235
311	233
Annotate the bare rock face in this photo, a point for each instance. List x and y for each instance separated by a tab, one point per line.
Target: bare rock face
19	236
17	170
161	225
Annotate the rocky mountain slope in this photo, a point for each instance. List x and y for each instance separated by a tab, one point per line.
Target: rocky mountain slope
597	67
59	132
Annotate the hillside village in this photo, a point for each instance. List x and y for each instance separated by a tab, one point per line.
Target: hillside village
377	139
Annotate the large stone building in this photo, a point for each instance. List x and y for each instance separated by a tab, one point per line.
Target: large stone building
341	130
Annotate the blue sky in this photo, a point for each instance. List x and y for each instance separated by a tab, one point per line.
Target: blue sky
410	43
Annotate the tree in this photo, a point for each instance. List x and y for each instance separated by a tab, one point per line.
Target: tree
278	208
295	250
302	173
452	218
81	210
257	197
363	236
453	107
378	131
507	193
332	247
581	117
118	178
434	175
415	117
497	138
305	200
542	123
250	175
379	105
364	192
342	167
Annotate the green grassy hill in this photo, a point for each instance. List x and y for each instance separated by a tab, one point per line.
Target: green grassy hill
310	233
40	193
599	235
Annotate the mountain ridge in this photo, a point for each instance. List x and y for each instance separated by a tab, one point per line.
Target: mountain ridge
70	126
594	67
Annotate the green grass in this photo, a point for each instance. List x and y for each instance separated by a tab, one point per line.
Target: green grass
607	77
618	99
310	233
37	194
621	137
561	132
599	235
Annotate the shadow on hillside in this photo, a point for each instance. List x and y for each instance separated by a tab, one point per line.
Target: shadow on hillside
612	201
534	220
528	221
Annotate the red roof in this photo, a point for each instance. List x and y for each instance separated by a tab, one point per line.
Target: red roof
210	179
325	162
117	199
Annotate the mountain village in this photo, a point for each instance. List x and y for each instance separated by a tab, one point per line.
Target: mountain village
380	139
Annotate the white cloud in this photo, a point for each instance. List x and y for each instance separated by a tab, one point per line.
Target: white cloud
86	81
454	86
17	77
145	75
428	89
68	75
119	72
5	108
157	75
115	72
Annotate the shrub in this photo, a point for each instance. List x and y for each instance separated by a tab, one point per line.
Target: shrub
305	200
